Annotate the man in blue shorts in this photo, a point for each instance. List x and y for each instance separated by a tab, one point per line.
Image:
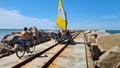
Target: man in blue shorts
25	38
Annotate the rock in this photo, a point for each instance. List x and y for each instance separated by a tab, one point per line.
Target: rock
95	52
10	39
14	33
91	38
87	31
4	54
5	45
40	36
6	36
110	59
5	50
92	35
35	33
109	41
88	44
8	44
102	33
52	34
15	47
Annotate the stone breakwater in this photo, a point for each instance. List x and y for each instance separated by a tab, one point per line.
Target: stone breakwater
104	48
9	40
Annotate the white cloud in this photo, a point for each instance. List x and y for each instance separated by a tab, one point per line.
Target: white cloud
10	18
14	19
109	17
95	25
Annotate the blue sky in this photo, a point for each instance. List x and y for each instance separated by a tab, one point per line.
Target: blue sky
81	14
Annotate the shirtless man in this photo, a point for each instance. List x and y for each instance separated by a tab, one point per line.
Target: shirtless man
25	38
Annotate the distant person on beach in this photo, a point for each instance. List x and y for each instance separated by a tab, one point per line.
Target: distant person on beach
25	38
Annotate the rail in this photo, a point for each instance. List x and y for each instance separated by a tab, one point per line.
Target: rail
40	53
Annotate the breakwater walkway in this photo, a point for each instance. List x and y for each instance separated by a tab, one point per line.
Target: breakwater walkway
74	56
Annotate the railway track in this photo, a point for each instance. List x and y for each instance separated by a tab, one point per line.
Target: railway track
44	51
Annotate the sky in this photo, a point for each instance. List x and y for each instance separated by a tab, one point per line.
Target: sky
81	14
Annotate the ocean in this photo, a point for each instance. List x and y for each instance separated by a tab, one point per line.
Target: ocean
4	32
113	31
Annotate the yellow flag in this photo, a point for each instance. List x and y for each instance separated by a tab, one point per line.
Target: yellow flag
61	18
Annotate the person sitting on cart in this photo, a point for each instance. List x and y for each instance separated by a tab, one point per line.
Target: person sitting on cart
58	36
68	35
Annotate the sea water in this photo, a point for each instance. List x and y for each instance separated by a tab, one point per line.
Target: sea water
113	31
4	32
